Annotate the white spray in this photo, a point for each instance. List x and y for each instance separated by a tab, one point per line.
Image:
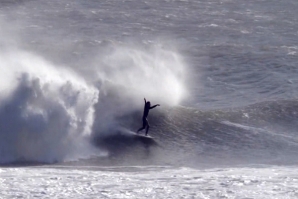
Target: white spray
46	113
126	74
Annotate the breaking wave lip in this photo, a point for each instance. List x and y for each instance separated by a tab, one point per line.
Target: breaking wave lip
46	112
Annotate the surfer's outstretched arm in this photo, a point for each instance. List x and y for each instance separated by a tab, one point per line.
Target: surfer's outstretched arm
154	106
145	100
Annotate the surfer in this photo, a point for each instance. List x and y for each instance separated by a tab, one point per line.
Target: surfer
147	107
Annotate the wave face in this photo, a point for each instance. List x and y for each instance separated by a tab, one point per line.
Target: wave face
263	133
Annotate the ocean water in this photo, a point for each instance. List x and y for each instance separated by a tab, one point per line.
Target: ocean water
74	75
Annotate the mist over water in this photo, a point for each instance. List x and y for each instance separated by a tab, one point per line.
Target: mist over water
128	74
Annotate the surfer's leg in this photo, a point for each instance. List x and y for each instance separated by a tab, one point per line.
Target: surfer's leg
140	129
144	125
148	126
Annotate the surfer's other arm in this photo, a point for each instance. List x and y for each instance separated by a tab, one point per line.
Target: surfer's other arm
154	106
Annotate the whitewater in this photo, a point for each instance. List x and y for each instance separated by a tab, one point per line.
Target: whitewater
74	75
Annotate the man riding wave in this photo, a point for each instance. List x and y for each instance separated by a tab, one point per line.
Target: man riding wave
147	107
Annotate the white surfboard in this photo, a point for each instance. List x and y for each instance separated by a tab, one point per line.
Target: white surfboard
137	135
143	136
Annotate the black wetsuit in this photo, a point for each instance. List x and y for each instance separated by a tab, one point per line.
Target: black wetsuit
146	125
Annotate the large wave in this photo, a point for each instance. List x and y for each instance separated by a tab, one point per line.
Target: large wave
48	112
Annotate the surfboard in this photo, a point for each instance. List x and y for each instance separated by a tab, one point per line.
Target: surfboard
137	135
143	136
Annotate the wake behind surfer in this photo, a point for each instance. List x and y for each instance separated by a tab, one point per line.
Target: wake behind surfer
147	107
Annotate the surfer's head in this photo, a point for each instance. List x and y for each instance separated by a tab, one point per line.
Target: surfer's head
148	103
